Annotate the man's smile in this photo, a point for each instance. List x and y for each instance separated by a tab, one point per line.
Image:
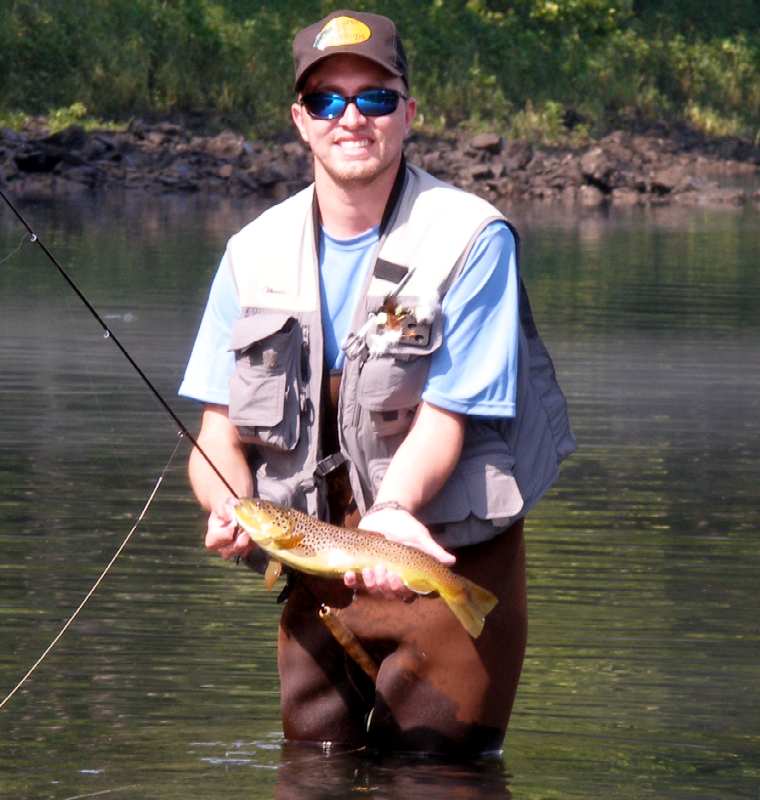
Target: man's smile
353	145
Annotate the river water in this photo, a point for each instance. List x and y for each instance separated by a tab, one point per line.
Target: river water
642	677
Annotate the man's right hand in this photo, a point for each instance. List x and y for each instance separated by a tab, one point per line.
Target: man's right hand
223	534
221	443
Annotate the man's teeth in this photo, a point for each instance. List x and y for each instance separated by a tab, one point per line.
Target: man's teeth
354	144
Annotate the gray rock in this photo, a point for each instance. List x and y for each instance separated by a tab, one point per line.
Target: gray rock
155	138
489	142
170	129
87	175
227	144
565	173
480	172
518	156
668	179
596	165
72	138
269	174
293	150
589	196
626	197
11	138
431	162
96	148
38	159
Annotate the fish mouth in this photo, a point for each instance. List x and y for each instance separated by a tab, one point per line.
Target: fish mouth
261	522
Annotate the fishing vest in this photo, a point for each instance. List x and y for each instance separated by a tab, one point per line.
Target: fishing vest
506	465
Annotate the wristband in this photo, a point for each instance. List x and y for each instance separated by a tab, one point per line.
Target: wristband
386	504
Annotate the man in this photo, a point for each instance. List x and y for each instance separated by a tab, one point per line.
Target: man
386	374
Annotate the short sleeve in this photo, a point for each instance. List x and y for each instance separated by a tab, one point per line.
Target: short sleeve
211	363
475	369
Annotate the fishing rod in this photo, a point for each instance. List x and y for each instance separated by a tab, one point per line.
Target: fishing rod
109	334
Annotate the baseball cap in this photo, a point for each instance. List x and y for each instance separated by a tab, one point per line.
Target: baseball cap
358	33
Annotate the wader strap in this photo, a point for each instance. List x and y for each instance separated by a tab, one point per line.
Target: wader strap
393	197
340	497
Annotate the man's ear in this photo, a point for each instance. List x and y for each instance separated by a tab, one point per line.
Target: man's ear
297	115
410	112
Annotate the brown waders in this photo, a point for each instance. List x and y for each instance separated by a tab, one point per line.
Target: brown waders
437	689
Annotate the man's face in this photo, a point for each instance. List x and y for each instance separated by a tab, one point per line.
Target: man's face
354	149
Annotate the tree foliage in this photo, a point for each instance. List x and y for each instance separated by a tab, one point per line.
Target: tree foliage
476	62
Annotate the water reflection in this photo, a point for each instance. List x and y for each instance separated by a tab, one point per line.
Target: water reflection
641	677
311	772
304	774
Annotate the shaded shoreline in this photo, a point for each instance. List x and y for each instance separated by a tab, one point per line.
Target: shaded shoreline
622	169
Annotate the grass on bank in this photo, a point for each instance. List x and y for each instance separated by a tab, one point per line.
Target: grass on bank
59	119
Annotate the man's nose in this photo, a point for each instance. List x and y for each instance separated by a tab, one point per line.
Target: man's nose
352	115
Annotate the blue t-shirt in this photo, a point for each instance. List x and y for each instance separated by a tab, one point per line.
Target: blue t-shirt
343	268
474	371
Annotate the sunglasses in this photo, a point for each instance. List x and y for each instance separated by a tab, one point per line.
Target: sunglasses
370	103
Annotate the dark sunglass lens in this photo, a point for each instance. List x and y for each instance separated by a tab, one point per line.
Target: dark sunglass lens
324	105
371	103
377	102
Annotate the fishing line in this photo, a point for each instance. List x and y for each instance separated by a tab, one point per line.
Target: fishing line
101	792
13	252
100	578
109	334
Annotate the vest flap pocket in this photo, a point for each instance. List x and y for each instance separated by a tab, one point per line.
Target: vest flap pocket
257	398
386	384
481	485
256	327
484	489
266	387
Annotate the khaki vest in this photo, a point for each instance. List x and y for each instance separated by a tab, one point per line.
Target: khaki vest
275	392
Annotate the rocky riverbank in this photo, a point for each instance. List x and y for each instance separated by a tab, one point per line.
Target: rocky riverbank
623	168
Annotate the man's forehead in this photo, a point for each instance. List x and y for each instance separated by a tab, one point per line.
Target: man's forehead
350	69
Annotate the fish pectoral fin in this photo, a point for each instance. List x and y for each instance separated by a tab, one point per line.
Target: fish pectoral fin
287	539
420	585
273	572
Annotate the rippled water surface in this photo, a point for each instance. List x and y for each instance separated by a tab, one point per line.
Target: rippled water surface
641	678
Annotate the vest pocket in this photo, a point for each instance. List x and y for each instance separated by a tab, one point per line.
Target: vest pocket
389	391
480	497
266	386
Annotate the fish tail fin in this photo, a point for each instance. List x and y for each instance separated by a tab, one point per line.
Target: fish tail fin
470	605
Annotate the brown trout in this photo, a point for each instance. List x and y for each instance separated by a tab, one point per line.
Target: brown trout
306	544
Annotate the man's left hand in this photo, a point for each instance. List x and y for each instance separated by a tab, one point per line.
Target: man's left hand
397	525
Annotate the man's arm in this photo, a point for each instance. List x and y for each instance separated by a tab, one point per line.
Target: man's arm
425	459
417	471
220	441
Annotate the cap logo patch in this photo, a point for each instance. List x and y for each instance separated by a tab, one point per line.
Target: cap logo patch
341	31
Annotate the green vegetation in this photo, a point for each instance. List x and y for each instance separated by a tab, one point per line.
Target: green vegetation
541	69
58	118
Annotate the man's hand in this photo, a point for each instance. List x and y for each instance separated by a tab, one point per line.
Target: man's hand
223	534
397	525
